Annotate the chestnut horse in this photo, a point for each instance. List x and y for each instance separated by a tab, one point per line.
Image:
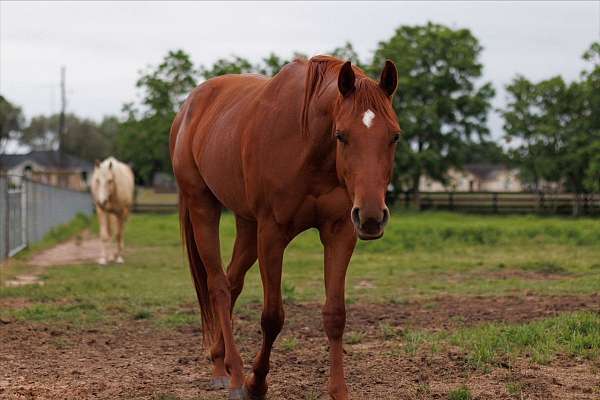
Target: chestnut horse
312	147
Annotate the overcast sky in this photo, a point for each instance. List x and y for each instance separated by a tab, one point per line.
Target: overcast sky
105	44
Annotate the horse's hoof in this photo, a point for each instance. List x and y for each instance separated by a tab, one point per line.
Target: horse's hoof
219	382
243	394
119	260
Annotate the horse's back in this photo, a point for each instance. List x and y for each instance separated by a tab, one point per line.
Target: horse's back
207	137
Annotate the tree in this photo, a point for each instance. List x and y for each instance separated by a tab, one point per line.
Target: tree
11	122
83	137
268	66
440	108
224	66
143	139
557	128
347	53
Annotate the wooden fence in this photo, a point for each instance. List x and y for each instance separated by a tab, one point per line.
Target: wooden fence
504	202
477	202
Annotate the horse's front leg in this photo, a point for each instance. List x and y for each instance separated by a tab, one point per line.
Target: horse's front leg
271	245
105	232
339	240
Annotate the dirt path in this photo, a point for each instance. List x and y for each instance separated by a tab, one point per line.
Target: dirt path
83	248
137	360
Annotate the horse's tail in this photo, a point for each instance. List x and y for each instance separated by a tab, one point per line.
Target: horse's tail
209	322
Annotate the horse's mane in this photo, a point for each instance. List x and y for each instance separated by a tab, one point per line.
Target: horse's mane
367	93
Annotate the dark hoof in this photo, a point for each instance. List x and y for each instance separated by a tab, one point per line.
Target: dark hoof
219	382
242	394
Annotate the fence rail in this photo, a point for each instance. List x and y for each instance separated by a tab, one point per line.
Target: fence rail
28	210
505	202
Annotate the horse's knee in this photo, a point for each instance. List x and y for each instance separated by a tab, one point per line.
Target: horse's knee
272	320
334	321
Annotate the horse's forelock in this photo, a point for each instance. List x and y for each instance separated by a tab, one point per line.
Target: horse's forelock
367	95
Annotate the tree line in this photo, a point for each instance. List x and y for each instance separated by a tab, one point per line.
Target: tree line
552	127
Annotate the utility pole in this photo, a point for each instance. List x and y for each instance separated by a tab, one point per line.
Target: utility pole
63	106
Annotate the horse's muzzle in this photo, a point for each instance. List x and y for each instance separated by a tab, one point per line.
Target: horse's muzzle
369	227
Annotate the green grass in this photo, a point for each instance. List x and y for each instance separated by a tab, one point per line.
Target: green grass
576	334
422	256
462	393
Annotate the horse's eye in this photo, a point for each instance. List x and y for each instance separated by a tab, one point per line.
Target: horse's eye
341	137
395	138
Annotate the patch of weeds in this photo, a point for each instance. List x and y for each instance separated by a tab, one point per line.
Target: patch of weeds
514	388
289	343
462	393
576	334
413	341
545	268
181	318
354	337
398	301
165	396
289	293
312	394
351	300
423	389
60	343
387	331
430	306
142	314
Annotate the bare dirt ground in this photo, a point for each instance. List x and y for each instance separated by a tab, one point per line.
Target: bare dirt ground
138	360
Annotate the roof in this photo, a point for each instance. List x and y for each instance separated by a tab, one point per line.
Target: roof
485	171
52	159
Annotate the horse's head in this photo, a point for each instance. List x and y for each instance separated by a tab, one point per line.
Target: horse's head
366	128
103	182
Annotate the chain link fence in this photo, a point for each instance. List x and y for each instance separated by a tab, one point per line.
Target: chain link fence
29	210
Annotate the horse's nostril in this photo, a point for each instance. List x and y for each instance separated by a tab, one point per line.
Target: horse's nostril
355	214
386	216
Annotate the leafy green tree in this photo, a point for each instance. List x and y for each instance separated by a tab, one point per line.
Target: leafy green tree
268	66
347	53
143	139
440	107
224	66
557	128
11	122
83	137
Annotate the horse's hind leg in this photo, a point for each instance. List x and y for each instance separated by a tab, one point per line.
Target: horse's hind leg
204	213
243	257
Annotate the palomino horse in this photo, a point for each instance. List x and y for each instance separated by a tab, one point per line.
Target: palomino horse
112	190
312	147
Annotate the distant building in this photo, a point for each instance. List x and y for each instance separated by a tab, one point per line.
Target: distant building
51	167
476	178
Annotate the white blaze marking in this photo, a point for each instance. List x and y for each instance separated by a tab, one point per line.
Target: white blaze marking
368	118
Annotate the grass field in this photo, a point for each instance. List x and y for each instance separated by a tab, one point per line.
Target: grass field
486	300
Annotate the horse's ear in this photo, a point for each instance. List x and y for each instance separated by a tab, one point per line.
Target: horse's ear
346	79
389	78
110	165
97	163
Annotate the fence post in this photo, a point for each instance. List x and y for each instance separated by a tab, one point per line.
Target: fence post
6	218
541	205
451	200
495	202
406	199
